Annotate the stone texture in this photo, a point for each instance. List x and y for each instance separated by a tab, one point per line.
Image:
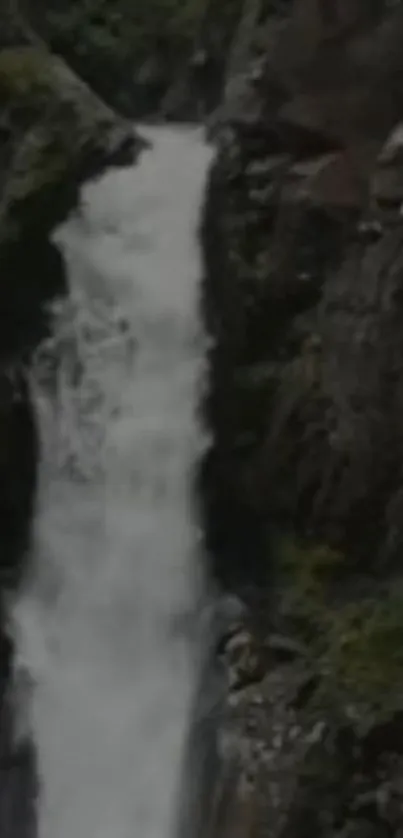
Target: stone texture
303	296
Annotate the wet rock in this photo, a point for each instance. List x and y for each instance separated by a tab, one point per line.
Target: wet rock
331	182
386	184
44	104
244	659
303	244
18	793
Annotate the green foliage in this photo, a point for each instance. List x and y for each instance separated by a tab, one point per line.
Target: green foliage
309	567
356	646
307	572
126	28
22	71
361	653
133	51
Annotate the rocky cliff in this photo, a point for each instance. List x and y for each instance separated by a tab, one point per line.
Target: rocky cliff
303	495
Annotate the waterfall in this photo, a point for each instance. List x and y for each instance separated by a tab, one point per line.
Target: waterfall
103	624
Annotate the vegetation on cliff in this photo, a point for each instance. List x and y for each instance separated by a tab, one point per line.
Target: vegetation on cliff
55	132
355	639
135	54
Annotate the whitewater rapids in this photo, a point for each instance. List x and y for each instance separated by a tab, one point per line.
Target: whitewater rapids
103	624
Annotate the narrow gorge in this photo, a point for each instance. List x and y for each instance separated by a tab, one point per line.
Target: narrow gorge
201	451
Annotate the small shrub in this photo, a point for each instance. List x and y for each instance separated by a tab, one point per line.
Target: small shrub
361	654
307	571
22	70
356	647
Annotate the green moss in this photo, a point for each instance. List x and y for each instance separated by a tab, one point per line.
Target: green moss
43	162
361	654
23	70
356	647
307	571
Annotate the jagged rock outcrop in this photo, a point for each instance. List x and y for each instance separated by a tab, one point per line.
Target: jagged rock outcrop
303	241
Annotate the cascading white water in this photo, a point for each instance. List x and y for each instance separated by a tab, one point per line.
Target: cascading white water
102	623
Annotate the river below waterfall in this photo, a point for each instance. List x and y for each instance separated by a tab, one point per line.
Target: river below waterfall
103	624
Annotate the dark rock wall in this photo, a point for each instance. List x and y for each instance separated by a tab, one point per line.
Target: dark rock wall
302	488
302	235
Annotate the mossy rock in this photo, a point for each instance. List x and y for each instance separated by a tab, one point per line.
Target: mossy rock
24	71
57	133
354	641
362	655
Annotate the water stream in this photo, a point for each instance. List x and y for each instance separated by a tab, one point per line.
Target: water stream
103	625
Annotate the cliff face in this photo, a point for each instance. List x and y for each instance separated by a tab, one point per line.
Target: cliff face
303	496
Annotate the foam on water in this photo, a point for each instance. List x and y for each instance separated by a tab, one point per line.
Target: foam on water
101	625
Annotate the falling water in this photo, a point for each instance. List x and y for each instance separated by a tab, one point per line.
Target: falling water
103	623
